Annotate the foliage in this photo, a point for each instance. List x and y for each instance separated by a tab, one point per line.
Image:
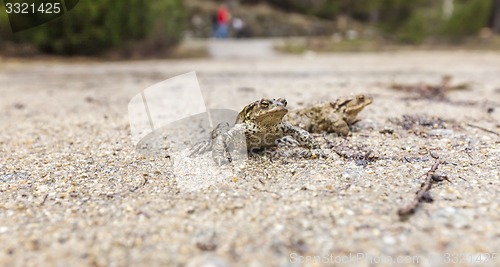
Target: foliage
4	23
469	17
419	25
401	20
94	26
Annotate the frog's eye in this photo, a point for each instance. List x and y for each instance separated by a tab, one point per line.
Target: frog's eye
361	97
264	104
282	101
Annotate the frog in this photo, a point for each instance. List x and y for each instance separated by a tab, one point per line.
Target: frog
261	123
330	117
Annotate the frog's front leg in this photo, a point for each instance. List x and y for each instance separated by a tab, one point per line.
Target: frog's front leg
341	127
302	136
305	139
219	150
200	147
206	144
223	142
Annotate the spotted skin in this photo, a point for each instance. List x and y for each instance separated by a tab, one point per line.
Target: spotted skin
262	126
330	117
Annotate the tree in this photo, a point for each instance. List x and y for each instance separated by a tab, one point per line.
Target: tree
94	26
495	16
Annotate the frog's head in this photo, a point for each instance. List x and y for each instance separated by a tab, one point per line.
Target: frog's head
351	106
265	111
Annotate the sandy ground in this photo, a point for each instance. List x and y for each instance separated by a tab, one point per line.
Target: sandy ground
73	191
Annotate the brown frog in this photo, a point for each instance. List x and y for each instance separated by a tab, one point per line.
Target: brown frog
330	117
261	123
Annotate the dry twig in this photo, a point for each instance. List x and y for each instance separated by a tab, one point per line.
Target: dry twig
432	91
483	129
276	195
422	194
44	199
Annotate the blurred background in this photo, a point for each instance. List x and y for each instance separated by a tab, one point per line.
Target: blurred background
75	192
176	28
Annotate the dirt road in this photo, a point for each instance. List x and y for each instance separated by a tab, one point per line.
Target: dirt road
73	191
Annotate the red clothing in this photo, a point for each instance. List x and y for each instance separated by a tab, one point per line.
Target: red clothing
222	15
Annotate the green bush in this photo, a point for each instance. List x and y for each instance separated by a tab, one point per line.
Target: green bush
94	26
166	22
415	22
4	23
414	30
420	25
468	18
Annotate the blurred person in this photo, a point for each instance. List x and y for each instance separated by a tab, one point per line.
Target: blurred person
223	17
238	27
214	19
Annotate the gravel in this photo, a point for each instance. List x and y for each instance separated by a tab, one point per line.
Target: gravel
73	190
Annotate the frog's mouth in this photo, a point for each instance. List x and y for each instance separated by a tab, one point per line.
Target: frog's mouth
355	109
272	116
